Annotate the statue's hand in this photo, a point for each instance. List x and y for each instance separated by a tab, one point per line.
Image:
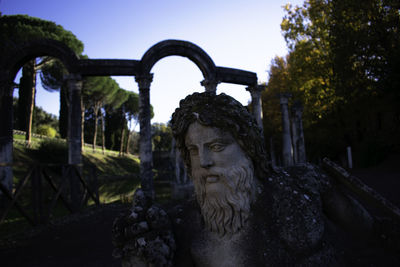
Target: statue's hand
143	235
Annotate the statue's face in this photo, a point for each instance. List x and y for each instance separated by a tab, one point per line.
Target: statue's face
222	175
212	149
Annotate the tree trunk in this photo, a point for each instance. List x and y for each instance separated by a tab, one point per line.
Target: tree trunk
82	125
30	110
31	103
129	136
96	120
128	142
102	133
121	148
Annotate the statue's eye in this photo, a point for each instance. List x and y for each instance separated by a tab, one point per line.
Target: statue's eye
216	147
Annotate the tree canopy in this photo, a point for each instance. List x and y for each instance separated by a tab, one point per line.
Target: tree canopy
343	65
21	28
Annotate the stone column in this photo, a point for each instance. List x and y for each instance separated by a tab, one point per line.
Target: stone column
6	134
210	85
74	83
272	152
145	148
299	144
286	139
255	92
294	135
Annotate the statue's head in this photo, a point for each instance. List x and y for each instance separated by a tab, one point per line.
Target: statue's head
223	150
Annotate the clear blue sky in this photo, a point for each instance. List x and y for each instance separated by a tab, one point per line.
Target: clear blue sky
242	34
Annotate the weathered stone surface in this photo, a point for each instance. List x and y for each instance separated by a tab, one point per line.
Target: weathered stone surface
74	82
255	92
298	134
236	76
286	138
19	54
143	234
145	146
6	134
100	67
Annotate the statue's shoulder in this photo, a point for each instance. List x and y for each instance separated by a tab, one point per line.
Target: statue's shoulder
298	206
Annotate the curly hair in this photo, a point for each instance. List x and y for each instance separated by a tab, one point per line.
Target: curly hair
226	113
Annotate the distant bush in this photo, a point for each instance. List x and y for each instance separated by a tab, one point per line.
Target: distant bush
53	151
46	130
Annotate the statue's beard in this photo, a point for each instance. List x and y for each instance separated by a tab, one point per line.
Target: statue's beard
227	210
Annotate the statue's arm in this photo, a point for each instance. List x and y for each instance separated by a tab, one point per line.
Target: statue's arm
143	235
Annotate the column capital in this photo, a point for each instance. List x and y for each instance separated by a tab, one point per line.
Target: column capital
74	81
210	85
284	97
255	88
144	80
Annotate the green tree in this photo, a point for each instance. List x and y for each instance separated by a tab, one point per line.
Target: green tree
132	113
343	65
46	130
278	82
99	91
161	135
115	121
51	76
40	117
16	29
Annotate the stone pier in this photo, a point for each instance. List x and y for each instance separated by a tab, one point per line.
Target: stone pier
145	148
294	136
255	92
74	82
6	134
298	134
286	138
272	152
182	187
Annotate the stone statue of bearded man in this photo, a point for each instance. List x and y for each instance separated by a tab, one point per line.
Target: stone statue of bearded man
244	213
223	151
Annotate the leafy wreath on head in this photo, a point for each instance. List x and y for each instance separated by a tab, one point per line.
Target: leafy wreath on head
226	113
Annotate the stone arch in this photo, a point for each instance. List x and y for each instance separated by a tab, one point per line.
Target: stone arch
23	52
179	48
17	54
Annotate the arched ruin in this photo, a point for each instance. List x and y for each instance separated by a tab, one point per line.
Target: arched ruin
17	55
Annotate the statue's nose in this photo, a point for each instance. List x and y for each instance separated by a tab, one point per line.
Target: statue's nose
206	160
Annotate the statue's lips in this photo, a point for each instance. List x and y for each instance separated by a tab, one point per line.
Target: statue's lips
212	179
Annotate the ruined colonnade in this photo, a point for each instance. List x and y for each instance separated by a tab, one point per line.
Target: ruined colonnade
293	146
13	60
